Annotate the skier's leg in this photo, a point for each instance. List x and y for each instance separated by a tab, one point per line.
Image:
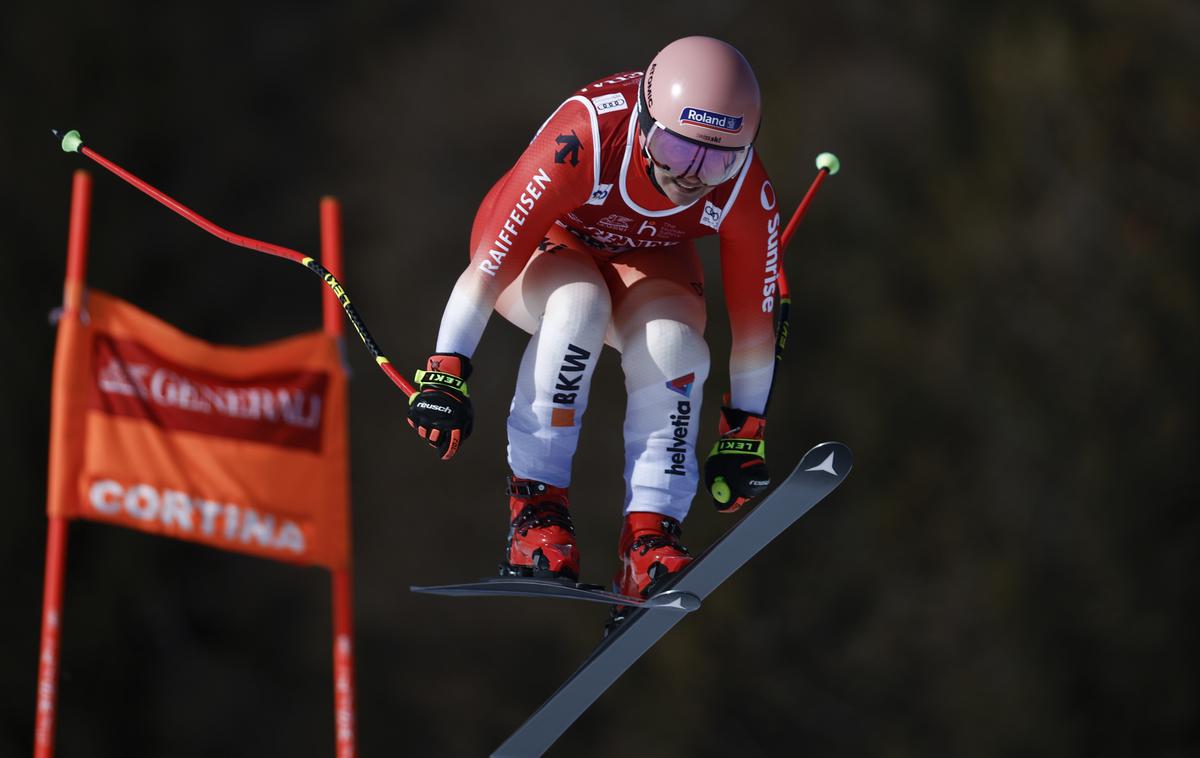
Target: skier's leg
563	299
658	325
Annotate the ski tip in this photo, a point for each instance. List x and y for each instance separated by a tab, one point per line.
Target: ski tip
833	458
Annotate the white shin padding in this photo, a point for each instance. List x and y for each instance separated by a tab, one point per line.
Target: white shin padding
567	296
660	330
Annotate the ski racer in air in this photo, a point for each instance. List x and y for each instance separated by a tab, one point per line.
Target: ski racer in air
588	240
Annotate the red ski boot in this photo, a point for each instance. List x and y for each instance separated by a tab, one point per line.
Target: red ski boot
541	538
650	553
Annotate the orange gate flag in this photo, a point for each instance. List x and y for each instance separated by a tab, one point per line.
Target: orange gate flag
240	448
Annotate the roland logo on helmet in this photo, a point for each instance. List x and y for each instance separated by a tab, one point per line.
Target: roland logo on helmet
711	119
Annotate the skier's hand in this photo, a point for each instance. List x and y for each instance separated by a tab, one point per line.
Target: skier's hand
736	470
440	410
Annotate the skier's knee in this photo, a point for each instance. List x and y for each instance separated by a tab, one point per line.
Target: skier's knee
655	299
585	303
663	350
567	284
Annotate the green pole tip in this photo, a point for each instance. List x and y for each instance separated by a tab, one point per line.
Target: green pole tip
829	161
71	141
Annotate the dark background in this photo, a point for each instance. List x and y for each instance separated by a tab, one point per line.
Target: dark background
996	308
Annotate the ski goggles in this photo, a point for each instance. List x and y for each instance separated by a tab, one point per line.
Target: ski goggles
682	158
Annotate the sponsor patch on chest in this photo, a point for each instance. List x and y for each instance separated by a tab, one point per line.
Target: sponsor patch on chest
600	194
711	215
615	222
610	103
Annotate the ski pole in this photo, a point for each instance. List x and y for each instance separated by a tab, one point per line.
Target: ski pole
827	164
72	142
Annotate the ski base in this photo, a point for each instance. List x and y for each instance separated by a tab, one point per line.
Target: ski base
565	589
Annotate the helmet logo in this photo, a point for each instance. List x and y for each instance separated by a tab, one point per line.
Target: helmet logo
711	119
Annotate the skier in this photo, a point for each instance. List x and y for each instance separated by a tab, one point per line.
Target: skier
588	240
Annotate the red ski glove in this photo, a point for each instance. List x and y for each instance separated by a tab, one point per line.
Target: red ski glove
441	410
736	469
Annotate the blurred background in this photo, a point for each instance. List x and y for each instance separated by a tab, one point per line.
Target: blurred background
996	308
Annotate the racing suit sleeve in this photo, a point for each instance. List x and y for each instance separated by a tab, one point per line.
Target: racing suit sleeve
750	262
554	176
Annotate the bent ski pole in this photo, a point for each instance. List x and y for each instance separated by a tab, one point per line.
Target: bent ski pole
827	163
73	143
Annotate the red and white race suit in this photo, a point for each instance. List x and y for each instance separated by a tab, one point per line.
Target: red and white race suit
577	246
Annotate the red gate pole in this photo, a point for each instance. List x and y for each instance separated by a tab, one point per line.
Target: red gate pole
47	685
56	532
343	608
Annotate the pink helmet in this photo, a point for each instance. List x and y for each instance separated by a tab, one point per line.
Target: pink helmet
699	109
703	89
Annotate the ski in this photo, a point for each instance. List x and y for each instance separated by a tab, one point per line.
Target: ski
819	472
565	589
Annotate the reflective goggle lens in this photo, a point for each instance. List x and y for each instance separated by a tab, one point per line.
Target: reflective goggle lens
684	159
